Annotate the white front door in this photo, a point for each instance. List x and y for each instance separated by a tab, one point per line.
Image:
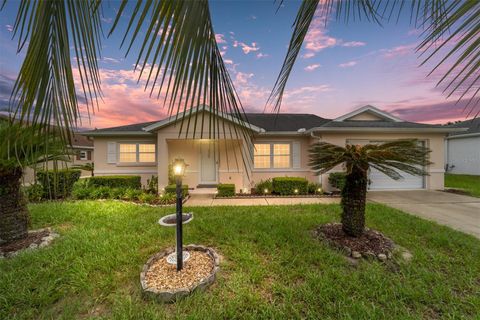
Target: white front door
208	165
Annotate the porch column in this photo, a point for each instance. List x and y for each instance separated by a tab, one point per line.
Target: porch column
162	161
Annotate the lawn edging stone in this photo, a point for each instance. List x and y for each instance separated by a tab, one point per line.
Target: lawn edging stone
42	242
169	296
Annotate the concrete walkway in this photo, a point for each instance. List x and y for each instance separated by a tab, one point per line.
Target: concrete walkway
207	200
454	210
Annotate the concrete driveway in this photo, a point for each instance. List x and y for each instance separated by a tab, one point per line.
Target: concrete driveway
456	211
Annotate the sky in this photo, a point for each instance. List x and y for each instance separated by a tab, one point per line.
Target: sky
341	66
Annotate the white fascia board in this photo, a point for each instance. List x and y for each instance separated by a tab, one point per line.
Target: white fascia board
467	135
117	133
355	129
371	109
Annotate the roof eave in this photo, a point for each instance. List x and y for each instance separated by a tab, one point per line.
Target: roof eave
370	129
116	133
466	135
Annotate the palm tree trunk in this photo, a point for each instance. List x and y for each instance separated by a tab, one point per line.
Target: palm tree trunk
13	210
354	196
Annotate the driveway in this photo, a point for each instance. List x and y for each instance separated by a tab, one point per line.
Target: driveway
456	211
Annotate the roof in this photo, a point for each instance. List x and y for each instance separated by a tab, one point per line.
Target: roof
81	141
288	123
473	126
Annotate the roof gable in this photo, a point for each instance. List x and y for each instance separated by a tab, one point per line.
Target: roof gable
368	113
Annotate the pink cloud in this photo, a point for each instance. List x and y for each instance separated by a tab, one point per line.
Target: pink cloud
242	78
399	51
354	44
220	38
245	47
308	55
312	67
262	55
347	64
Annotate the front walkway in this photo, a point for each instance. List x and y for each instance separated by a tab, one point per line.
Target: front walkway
208	200
456	211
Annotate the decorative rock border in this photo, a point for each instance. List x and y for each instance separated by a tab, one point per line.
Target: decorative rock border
168	296
46	240
254	196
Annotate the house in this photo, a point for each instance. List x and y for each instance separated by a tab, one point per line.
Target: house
462	149
280	147
82	153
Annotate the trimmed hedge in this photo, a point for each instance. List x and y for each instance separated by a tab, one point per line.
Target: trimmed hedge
287	185
337	179
58	184
133	182
173	189
226	190
314	188
263	185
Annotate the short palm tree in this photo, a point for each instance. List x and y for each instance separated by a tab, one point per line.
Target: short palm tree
21	147
389	158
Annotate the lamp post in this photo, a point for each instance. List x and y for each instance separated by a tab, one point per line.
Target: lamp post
178	171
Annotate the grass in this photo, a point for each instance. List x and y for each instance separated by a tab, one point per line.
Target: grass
469	183
272	267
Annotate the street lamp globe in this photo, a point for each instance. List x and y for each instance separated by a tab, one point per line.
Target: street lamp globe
178	167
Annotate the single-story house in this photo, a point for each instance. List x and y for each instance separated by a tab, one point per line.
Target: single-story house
280	147
462	149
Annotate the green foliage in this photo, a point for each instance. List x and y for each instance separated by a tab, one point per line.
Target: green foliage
226	190
81	191
147	198
468	183
131	194
167	198
152	185
132	182
116	193
173	189
288	185
314	188
337	179
58	184
262	186
33	193
89	166
99	193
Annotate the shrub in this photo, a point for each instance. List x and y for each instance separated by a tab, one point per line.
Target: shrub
116	193
58	184
152	185
314	188
131	182
33	193
99	193
147	198
226	190
167	198
288	185
337	180
131	194
262	186
81	192
173	189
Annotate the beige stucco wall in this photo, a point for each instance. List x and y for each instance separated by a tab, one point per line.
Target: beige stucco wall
102	168
365	116
433	140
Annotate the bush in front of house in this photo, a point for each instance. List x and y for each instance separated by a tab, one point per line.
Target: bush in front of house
337	179
226	190
33	193
173	189
263	187
132	182
314	188
288	185
58	184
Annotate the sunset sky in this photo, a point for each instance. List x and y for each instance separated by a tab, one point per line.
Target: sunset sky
341	67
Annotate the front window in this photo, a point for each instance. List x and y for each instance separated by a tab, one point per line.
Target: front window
83	155
272	155
136	152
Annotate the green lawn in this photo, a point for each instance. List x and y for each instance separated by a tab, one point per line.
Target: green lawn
272	267
469	183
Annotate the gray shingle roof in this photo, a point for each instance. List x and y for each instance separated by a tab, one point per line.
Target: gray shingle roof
285	121
473	126
378	124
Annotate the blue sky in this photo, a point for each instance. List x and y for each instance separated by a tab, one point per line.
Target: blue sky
341	67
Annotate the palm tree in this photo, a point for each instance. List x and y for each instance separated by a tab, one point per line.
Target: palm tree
89	166
21	147
389	158
179	54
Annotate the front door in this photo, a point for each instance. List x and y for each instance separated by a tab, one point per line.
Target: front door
208	165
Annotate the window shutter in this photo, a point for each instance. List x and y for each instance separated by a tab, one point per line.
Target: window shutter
112	152
296	153
89	155
78	155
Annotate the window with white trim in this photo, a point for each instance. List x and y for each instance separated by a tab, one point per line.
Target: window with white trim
83	155
136	152
272	156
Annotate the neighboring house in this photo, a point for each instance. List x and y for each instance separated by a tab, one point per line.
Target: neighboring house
82	149
281	143
462	149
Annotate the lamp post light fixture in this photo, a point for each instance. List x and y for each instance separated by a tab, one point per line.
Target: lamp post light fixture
295	191
178	172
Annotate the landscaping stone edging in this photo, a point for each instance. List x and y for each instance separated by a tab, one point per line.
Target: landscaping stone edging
46	240
169	296
278	196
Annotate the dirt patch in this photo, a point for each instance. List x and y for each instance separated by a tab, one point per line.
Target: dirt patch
34	237
164	276
370	244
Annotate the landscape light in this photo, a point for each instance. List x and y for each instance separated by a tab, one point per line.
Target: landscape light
265	190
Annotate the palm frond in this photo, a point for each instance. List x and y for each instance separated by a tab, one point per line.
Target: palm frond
44	94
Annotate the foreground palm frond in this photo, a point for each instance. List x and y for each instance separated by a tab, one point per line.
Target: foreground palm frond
445	24
390	158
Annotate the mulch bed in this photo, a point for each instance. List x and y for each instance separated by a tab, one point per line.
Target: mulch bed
458	191
164	276
370	244
33	237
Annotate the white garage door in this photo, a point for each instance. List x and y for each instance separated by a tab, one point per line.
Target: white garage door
380	181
